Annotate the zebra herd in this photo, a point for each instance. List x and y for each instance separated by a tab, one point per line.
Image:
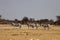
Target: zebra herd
32	25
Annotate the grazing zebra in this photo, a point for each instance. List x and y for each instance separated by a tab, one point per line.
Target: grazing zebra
16	24
32	25
45	26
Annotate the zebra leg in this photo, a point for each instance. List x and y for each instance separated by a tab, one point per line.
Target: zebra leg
28	26
20	26
32	26
36	27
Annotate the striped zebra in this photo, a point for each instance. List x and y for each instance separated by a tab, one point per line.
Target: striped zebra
33	25
45	26
16	24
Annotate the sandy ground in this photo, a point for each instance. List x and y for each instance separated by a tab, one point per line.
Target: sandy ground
8	32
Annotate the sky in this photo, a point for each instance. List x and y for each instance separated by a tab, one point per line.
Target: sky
38	9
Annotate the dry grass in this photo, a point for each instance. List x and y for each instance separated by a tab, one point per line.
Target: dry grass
7	32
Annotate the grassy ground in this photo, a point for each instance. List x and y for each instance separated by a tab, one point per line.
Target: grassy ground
7	32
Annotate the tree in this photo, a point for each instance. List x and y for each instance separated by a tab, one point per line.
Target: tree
32	20
16	20
25	20
0	16
51	21
44	21
58	20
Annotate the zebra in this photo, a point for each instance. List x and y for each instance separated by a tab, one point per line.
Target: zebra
20	25
32	25
16	24
45	26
